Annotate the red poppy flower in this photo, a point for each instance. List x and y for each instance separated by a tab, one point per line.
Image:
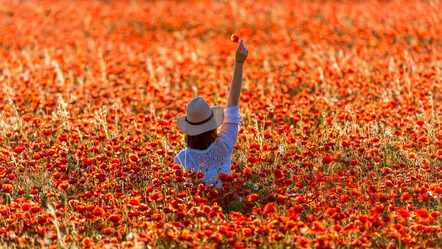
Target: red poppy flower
134	202
64	186
34	209
108	230
327	159
269	208
235	38
115	218
133	158
7	188
253	198
278	174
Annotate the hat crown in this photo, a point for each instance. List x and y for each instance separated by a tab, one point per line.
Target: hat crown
198	110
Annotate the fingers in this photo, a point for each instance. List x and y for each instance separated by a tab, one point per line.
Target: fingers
241	47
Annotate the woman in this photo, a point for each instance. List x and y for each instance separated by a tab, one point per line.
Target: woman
209	151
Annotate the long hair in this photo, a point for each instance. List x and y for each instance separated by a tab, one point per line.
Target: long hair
201	141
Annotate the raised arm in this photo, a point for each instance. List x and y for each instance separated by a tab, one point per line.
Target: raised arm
236	85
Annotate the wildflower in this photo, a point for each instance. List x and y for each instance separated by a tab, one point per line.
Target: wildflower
7	188
108	230
64	186
278	174
253	198
133	158
235	38
327	159
115	218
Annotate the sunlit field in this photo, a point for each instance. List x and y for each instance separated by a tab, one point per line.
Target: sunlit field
340	144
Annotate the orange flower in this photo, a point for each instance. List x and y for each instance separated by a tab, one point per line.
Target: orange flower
87	241
7	188
337	228
247	232
34	209
424	139
97	211
64	186
269	208
318	226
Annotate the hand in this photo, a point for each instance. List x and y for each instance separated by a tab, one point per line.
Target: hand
241	52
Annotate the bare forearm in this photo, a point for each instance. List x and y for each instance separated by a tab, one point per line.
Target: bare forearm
236	85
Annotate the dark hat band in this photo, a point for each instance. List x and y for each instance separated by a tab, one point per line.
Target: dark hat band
202	122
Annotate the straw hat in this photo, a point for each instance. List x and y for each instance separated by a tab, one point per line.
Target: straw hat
200	117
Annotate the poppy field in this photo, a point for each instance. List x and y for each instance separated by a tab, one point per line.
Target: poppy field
340	144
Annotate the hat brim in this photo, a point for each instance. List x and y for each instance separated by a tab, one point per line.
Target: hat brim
193	130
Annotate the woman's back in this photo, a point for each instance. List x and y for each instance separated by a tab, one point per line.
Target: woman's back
217	158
